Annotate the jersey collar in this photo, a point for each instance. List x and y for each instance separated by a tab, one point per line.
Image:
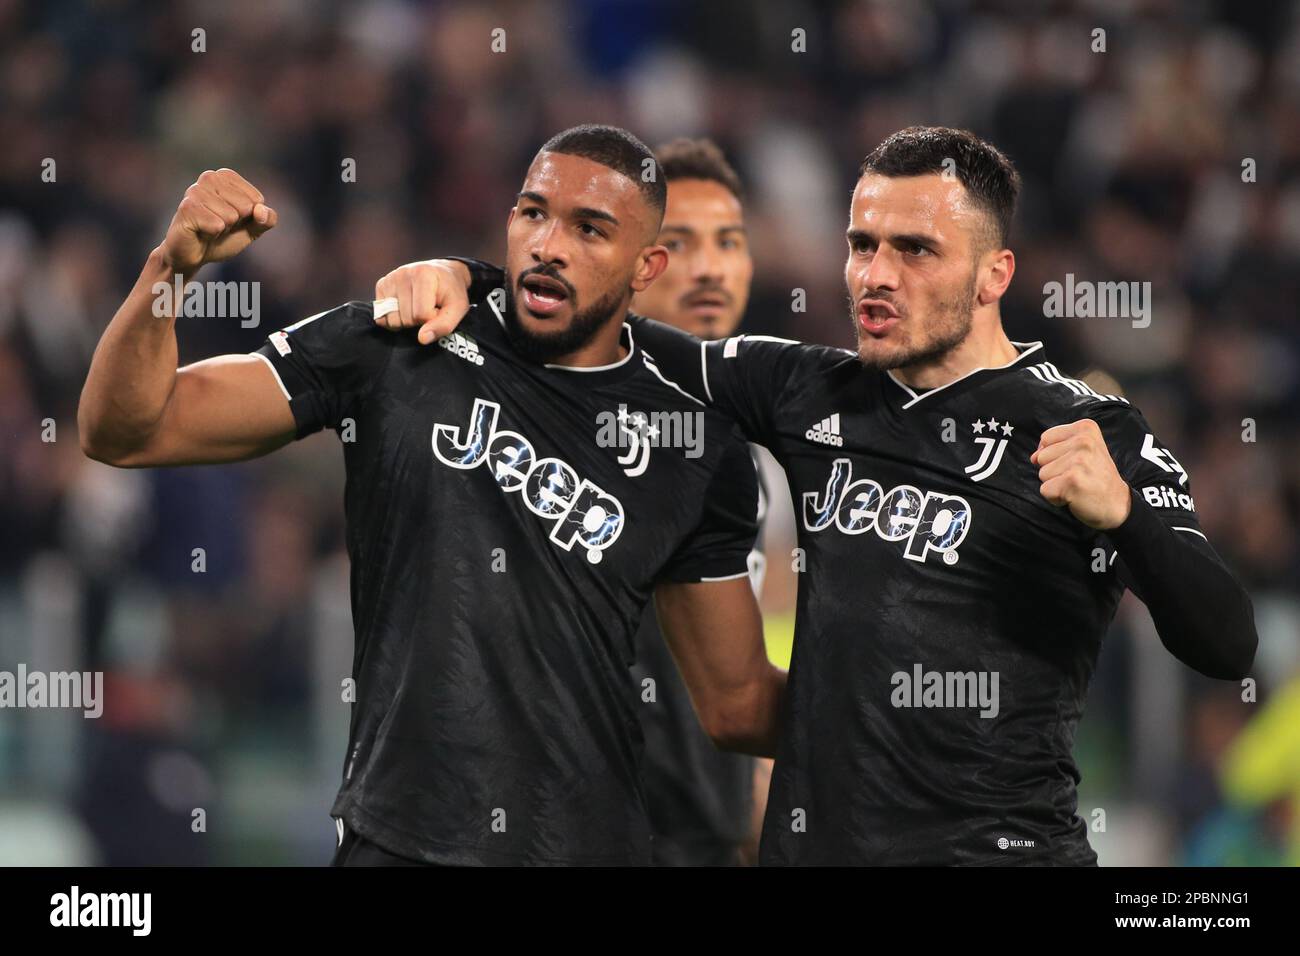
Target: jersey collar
1024	348
590	374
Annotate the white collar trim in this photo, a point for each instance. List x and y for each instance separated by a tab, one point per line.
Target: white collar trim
1027	349
631	348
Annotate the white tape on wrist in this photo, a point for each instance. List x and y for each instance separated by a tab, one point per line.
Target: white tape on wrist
384	306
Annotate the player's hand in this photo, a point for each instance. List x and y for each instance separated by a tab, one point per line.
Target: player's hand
433	295
1076	470
220	216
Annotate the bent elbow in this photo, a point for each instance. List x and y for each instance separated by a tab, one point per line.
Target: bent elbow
95	448
1247	643
739	731
1243	658
112	446
92	444
86	430
726	728
1237	654
91	434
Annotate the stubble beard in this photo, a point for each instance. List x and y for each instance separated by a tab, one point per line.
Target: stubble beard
952	319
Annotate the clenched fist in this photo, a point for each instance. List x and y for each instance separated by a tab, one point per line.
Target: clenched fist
1076	470
218	219
433	295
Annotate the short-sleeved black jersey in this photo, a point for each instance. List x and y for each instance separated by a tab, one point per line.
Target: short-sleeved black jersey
506	524
949	617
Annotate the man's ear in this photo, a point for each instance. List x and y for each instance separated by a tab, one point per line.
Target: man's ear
996	273
511	217
651	264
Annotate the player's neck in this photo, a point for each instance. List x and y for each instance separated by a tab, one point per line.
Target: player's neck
987	346
605	348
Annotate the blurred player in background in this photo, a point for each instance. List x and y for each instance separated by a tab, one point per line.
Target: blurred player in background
704	803
498	576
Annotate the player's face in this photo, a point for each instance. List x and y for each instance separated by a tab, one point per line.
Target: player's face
913	245
705	288
577	250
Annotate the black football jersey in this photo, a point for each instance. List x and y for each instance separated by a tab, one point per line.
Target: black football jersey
506	524
949	618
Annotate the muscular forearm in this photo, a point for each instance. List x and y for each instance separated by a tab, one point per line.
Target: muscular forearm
134	369
1203	615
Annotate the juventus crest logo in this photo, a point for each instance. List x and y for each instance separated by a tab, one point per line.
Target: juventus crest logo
637	435
993	437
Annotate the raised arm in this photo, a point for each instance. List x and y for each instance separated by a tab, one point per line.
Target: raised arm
137	409
715	633
1116	478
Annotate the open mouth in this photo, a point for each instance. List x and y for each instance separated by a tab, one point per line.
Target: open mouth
877	316
543	295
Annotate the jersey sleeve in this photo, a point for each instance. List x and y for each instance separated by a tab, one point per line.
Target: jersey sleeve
720	545
1203	615
1149	468
745	377
484	276
327	364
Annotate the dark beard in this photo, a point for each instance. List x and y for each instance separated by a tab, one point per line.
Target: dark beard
548	346
957	315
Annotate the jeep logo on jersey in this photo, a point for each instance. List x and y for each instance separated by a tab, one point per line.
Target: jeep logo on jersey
925	520
582	512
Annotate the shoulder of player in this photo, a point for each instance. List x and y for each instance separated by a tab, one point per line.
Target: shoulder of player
346	333
1063	398
358	314
654	335
657	383
348	315
791	371
804	354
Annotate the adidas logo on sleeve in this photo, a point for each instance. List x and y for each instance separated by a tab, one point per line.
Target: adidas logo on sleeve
826	432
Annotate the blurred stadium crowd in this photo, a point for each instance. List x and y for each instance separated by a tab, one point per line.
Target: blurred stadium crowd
223	687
